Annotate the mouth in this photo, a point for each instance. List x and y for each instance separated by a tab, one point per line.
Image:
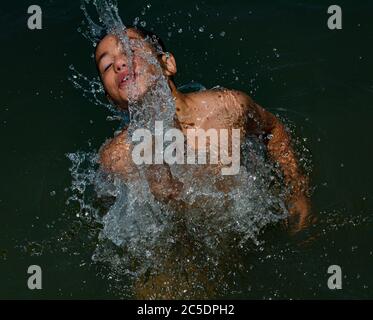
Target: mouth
127	76
124	78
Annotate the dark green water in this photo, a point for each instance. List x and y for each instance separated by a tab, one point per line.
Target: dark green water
283	55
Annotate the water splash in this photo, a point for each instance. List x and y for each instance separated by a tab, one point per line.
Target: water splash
170	250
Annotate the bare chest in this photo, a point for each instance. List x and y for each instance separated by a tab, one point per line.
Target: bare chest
211	115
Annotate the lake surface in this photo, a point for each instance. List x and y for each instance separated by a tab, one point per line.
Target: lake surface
280	52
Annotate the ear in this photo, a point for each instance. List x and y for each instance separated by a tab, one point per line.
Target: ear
169	64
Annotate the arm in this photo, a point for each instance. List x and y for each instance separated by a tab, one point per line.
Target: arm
116	158
281	151
162	184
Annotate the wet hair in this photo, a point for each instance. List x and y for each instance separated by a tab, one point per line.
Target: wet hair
155	40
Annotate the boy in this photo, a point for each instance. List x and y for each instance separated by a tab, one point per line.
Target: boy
218	109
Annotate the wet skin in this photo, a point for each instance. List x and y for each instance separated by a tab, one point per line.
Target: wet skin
217	109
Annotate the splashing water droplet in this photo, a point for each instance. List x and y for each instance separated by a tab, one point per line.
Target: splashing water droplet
139	233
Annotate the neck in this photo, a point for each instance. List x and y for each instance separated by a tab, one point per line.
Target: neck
182	102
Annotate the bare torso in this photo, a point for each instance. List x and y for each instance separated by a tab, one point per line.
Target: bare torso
217	109
210	109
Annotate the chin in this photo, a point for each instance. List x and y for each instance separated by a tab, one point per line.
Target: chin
138	94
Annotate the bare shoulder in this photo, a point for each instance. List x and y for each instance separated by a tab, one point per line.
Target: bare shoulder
241	99
114	155
228	97
245	108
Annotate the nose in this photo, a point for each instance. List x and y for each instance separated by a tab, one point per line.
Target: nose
119	64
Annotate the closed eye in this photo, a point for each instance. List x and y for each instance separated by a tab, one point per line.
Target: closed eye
107	67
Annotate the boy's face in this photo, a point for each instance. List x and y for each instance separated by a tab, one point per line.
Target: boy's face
126	77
